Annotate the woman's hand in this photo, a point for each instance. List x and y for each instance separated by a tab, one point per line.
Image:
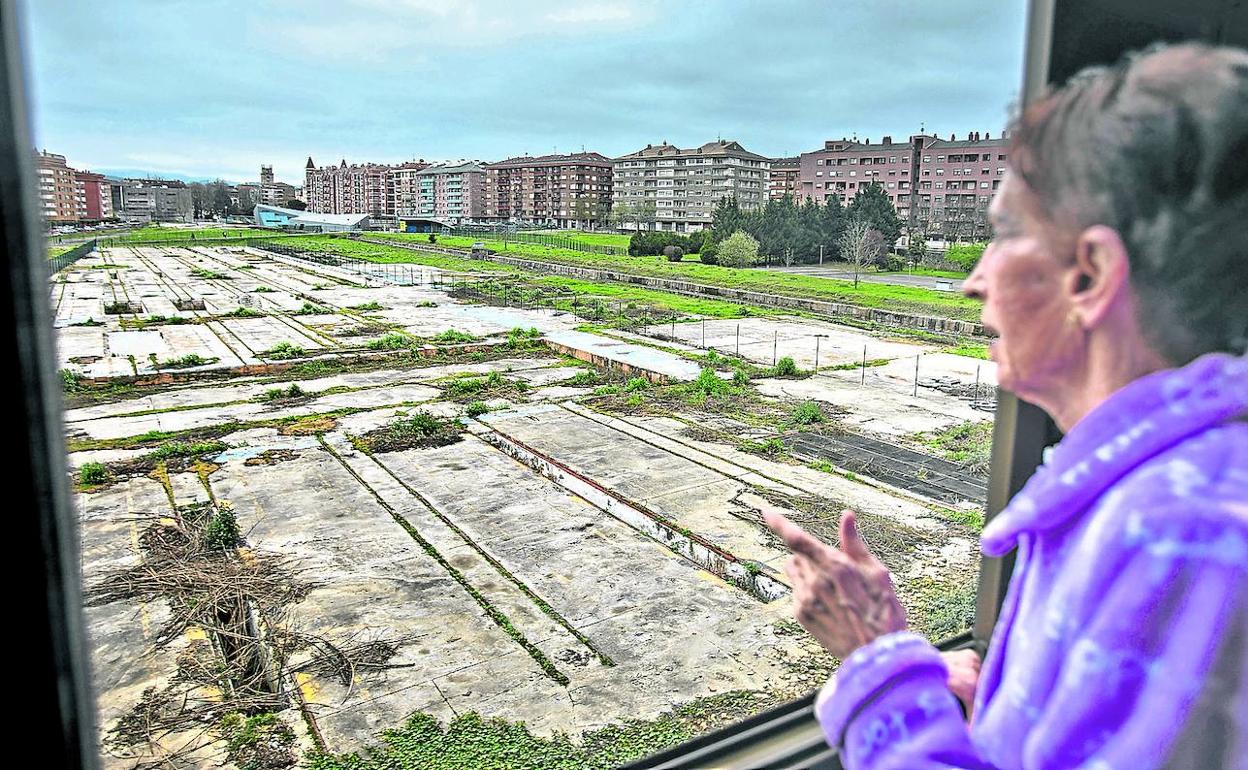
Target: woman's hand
963	668
842	596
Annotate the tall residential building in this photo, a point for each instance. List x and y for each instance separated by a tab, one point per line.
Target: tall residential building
562	190
941	186
843	167
153	200
957	178
61	197
365	188
98	196
452	192
683	186
783	179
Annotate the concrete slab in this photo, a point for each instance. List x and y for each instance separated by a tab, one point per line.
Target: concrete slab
626	355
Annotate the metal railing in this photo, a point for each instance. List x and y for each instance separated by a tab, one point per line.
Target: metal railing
65	259
543	239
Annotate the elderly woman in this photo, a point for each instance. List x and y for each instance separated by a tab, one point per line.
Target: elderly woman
1117	286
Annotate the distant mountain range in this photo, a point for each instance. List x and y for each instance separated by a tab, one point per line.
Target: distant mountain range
139	173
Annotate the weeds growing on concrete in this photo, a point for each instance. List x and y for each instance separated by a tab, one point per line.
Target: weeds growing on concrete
807	413
417	431
969	443
392	341
187	361
284	350
454	336
243	312
93	474
310	309
210	275
290	393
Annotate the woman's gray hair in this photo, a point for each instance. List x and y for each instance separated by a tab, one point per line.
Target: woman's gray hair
1155	147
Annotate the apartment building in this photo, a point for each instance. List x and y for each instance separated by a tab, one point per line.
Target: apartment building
364	188
942	186
97	192
784	177
843	167
683	185
62	198
957	179
452	192
561	190
152	200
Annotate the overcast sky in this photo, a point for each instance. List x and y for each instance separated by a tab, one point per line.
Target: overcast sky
206	89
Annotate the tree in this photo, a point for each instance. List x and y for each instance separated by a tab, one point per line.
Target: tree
726	219
296	204
916	249
855	244
582	211
602	213
738	250
647	212
622	213
873	206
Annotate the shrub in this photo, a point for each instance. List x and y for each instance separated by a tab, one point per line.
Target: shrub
282	394
188	360
673	253
965	255
583	378
636	384
391	341
655	243
738	250
284	350
807	413
222	532
522	338
786	367
310	309
94	473
454	335
420	430
71	381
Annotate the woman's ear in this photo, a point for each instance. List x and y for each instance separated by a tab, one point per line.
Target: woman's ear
1100	275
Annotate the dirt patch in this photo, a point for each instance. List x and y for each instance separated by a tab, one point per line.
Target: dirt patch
309	426
271	457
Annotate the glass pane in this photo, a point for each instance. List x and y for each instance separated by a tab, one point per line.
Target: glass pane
423	406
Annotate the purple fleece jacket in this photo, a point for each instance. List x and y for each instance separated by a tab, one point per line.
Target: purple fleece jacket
1123	640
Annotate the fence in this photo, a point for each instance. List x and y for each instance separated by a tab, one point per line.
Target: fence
556	241
810	352
65	259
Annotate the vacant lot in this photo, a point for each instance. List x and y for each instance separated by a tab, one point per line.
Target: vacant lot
345	519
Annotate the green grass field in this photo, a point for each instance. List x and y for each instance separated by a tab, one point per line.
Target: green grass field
154	234
905	299
598	239
376	252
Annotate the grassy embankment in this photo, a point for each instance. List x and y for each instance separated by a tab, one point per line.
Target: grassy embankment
905	299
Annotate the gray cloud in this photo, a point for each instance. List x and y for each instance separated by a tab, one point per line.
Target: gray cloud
216	88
